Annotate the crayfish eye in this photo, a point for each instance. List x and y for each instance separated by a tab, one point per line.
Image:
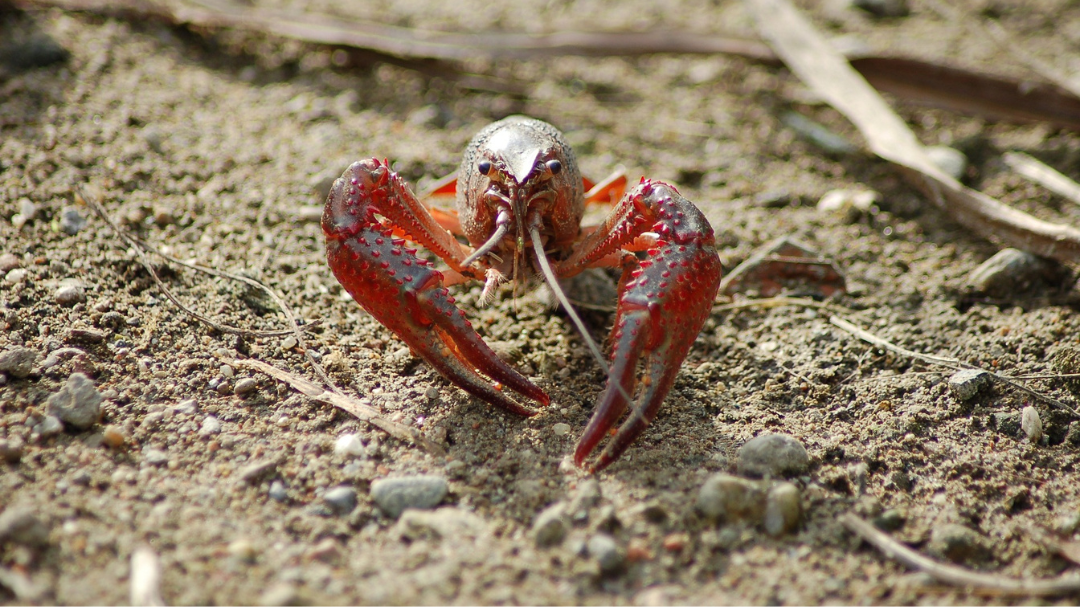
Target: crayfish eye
554	166
484	167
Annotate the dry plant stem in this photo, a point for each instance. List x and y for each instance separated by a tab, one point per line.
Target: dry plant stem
780	301
145	577
951	363
817	64
140	249
919	81
952	574
349	405
1043	175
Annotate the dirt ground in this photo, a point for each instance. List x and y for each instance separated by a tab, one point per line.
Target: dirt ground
215	145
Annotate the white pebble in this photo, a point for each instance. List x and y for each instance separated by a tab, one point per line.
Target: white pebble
288	343
349	445
226	371
561	429
1031	423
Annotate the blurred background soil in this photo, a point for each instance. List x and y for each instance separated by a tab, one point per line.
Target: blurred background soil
216	145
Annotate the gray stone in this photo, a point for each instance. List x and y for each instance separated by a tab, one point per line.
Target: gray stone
772	455
21	526
69	295
605	551
9	261
1006	423
78	403
453	524
71	221
341	499
729	498
16	276
256	470
550	525
50	425
783	509
18	361
1011	271
394	495
957	543
210	426
966	383
349	445
245	386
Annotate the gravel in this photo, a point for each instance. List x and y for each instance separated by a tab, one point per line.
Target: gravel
957	543
11	449
210	426
19	525
966	383
783	509
341	499
246	386
78	403
69	295
394	495
550	526
277	491
772	455
18	362
605	551
71	221
349	445
729	498
50	425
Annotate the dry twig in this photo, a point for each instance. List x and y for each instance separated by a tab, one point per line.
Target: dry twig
921	81
944	361
350	405
1043	175
952	574
822	68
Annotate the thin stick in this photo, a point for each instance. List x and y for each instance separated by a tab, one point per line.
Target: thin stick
952	574
1043	175
141	248
350	405
780	301
950	363
923	82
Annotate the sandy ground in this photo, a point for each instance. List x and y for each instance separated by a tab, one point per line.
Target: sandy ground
214	146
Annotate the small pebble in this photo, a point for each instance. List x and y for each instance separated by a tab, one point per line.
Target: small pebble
16	276
210	426
326	551
432	393
163	217
242	549
951	161
254	471
113	437
50	425
227	371
69	295
310	213
281	594
21	526
27	211
277	491
71	221
9	261
1031	424
966	383
603	548
187	407
246	386
550	525
560	429
288	343
849	204
341	499
729	498
394	495
78	403
1012	271
773	455
890	520
349	445
783	509
11	449
957	543
155	457
18	362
